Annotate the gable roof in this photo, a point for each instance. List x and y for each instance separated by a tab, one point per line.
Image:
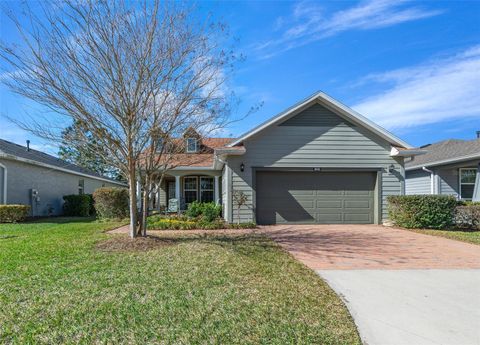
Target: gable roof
202	159
445	152
31	156
336	107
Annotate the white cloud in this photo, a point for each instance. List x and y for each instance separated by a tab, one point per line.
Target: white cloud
308	23
432	92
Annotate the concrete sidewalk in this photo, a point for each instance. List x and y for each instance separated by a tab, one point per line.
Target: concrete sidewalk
421	307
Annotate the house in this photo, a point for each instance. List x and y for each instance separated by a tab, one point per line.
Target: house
34	178
316	162
450	167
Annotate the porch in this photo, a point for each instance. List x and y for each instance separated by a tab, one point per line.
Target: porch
179	189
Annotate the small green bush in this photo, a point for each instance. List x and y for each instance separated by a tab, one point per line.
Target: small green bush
468	217
78	205
13	213
422	211
209	211
111	203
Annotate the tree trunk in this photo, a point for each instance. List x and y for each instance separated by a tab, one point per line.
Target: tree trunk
132	186
145	201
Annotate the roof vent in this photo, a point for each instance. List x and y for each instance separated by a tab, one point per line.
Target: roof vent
478	134
28	145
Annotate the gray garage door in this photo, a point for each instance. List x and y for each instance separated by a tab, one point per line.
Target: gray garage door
315	197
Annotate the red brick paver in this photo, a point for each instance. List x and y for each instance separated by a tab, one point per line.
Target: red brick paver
372	247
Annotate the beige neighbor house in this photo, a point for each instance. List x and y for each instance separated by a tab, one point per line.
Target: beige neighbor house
316	162
37	179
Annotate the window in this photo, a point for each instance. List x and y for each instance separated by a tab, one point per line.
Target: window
159	146
192	145
467	183
206	189
81	186
190	189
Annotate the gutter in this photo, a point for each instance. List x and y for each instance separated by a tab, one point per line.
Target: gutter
446	161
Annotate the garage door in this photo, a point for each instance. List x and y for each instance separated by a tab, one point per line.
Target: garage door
315	197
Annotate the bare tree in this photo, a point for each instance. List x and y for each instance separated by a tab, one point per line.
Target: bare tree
239	199
131	73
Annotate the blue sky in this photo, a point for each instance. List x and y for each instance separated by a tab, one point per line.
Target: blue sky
413	67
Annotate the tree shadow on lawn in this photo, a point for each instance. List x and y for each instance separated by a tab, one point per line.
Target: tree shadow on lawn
59	220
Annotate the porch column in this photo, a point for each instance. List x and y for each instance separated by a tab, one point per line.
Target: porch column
216	190
476	188
158	196
177	189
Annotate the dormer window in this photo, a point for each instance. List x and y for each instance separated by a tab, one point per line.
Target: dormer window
192	145
159	146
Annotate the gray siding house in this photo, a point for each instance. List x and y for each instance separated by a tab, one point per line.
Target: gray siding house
450	167
34	178
317	162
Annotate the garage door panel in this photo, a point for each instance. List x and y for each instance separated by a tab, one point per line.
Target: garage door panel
329	204
354	204
312	197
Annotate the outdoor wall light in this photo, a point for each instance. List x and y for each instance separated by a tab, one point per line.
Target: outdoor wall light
391	168
242	167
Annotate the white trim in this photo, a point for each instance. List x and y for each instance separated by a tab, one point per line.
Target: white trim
4	183
445	161
53	167
467	183
394	152
324	99
186	167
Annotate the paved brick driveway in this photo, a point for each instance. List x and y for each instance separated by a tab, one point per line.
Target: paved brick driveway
400	287
372	247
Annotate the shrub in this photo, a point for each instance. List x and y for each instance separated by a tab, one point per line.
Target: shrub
194	210
13	213
209	211
111	202
422	211
170	223
78	205
468	217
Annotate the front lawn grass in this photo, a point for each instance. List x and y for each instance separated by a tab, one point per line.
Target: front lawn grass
57	285
465	236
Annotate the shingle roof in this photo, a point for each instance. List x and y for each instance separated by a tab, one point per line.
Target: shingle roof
445	150
20	151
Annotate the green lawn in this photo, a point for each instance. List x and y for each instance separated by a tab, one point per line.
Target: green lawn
57	286
465	236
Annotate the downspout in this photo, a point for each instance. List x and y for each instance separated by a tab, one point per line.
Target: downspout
432	187
476	188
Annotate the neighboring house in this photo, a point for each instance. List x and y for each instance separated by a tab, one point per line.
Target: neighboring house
450	167
316	162
34	178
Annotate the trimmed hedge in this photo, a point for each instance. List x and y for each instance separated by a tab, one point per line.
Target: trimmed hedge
111	202
468	217
78	205
13	213
422	211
